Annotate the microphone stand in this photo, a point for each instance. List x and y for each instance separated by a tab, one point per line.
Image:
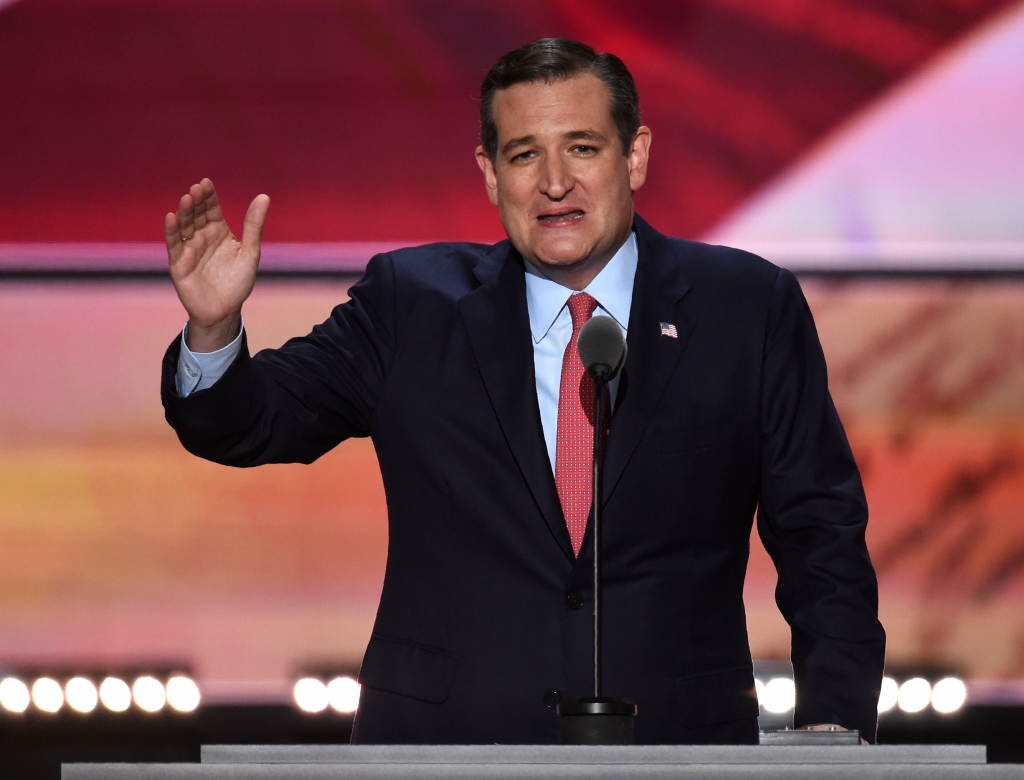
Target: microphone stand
597	719
601	390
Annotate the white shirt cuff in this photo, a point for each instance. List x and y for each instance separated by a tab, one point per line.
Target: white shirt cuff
200	370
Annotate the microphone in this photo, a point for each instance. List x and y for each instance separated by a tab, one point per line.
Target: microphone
598	719
602	348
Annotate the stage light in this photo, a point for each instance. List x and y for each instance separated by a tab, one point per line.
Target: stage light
182	694
47	694
759	690
115	694
81	694
343	694
311	695
948	695
14	695
914	695
889	694
779	695
149	694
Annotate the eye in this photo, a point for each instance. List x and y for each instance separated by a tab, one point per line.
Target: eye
522	156
584	149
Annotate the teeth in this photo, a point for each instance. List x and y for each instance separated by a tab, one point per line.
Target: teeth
560	217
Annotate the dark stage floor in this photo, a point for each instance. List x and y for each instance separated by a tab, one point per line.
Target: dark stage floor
33	747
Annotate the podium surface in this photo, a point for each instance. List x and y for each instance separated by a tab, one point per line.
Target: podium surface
497	762
587	755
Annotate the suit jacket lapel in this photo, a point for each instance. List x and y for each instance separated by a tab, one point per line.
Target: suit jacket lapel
658	291
498	324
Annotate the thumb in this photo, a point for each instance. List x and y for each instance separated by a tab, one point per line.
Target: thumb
252	230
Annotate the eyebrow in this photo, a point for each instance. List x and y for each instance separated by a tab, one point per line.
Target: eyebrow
573	135
524	140
584	135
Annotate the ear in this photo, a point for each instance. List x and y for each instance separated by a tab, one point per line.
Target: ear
639	153
490	174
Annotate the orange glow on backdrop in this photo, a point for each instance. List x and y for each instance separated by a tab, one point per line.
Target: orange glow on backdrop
120	545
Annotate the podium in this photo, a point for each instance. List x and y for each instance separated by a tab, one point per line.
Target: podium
565	762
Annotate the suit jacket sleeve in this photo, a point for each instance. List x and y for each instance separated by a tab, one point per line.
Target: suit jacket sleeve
812	519
291	405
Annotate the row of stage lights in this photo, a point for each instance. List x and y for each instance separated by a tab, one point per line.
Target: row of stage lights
914	695
340	694
82	695
778	695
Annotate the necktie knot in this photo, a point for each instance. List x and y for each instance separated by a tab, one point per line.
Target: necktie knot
581	307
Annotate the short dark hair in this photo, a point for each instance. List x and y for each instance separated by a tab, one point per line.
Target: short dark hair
554	59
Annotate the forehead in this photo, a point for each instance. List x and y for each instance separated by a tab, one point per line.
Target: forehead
552	108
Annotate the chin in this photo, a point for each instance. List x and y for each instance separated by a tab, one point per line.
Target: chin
563	254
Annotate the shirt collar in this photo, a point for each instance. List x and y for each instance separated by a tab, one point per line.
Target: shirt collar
612	288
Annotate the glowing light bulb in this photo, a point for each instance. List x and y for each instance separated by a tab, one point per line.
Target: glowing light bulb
182	694
889	694
149	694
47	694
115	694
779	695
343	694
914	695
81	694
14	695
948	695
311	695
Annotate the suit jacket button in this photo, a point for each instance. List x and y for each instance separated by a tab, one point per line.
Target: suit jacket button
552	699
573	600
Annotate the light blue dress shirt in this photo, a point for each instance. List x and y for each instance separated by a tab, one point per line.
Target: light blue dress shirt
550	326
199	370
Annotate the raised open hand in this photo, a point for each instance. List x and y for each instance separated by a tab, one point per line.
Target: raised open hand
213	272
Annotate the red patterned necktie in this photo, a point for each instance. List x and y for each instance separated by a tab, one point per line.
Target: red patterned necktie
574	453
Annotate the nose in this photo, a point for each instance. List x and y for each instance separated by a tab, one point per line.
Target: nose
556	178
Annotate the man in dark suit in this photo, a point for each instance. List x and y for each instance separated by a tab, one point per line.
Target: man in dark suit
459	361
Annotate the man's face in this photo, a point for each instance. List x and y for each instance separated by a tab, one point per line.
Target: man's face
561	183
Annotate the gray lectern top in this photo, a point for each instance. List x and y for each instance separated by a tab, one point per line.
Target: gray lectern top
584	755
576	762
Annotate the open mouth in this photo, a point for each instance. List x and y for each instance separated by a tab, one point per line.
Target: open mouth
560	217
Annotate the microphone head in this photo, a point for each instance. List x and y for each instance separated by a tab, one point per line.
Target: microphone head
602	348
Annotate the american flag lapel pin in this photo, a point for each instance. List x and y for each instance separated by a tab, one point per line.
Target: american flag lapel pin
668	329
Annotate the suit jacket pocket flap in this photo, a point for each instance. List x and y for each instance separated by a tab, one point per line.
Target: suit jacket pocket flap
717	697
407	669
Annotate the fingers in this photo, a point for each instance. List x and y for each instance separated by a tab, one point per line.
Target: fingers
198	208
172	236
252	232
207	206
213	212
199	196
180	227
186	217
177	225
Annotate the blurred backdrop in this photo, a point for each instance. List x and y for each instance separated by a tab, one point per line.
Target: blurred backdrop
876	147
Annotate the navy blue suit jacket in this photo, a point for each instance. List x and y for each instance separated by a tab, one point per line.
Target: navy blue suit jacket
481	615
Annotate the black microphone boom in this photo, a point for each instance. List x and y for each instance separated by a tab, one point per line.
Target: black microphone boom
598	719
